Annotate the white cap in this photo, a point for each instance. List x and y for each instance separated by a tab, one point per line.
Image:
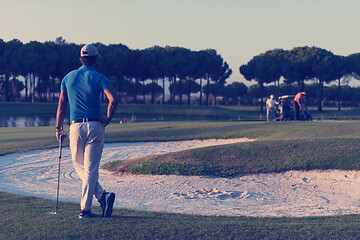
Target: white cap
89	50
271	96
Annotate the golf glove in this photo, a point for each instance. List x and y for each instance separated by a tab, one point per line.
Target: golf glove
61	135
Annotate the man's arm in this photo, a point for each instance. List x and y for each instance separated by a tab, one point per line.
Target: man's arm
113	103
60	115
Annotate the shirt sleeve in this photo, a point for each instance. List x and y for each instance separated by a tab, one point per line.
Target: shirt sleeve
105	83
63	85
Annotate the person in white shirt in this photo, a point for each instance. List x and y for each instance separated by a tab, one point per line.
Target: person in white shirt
270	108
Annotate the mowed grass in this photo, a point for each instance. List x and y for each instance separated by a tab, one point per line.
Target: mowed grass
279	147
142	112
24	217
147	112
254	157
27	138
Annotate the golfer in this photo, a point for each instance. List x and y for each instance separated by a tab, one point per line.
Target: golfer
82	89
270	108
298	104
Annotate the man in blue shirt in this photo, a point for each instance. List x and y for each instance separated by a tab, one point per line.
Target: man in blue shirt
82	89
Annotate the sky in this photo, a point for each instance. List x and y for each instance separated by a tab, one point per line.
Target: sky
237	29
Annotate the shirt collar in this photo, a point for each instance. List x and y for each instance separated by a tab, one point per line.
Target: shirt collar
87	67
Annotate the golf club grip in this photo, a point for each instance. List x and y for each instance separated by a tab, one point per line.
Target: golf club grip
60	146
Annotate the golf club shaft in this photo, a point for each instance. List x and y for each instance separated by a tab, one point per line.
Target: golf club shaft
58	187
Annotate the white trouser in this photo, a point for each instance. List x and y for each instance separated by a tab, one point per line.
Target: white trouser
86	145
270	114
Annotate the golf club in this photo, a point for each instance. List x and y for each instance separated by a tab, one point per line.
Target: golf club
57	193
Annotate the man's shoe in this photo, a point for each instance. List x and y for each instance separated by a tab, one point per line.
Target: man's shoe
86	214
107	202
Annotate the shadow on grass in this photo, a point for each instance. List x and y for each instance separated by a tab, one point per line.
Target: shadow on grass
24	217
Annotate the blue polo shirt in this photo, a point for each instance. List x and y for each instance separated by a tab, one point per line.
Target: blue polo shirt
84	87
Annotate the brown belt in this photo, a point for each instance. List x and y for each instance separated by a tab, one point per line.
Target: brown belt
84	120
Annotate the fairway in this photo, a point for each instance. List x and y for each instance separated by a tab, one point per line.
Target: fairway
311	138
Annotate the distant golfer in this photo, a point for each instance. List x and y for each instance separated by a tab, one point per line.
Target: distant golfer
270	108
82	89
298	104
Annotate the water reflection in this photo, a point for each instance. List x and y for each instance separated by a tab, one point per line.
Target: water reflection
35	121
27	121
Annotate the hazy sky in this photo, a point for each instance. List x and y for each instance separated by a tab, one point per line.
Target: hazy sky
237	29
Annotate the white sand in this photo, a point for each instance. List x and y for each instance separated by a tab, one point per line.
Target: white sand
294	193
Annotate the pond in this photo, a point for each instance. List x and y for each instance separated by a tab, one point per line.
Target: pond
27	121
35	121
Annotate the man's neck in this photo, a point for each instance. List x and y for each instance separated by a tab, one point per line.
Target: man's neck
93	66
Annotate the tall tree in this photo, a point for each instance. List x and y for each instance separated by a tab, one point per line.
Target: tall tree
114	62
151	70
214	90
273	61
12	62
133	73
2	67
260	68
298	67
327	67
173	65
233	92
214	69
40	61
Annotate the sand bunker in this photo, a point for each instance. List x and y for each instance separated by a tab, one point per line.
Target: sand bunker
211	193
293	193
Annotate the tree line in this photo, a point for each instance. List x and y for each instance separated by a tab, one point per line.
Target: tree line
301	64
134	73
36	69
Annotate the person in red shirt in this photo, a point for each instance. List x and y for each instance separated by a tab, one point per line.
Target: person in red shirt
298	103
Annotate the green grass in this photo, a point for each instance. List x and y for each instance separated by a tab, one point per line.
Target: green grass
28	109
24	217
22	139
141	112
350	113
27	138
254	157
280	146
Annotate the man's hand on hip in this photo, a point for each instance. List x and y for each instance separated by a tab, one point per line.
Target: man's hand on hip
104	120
